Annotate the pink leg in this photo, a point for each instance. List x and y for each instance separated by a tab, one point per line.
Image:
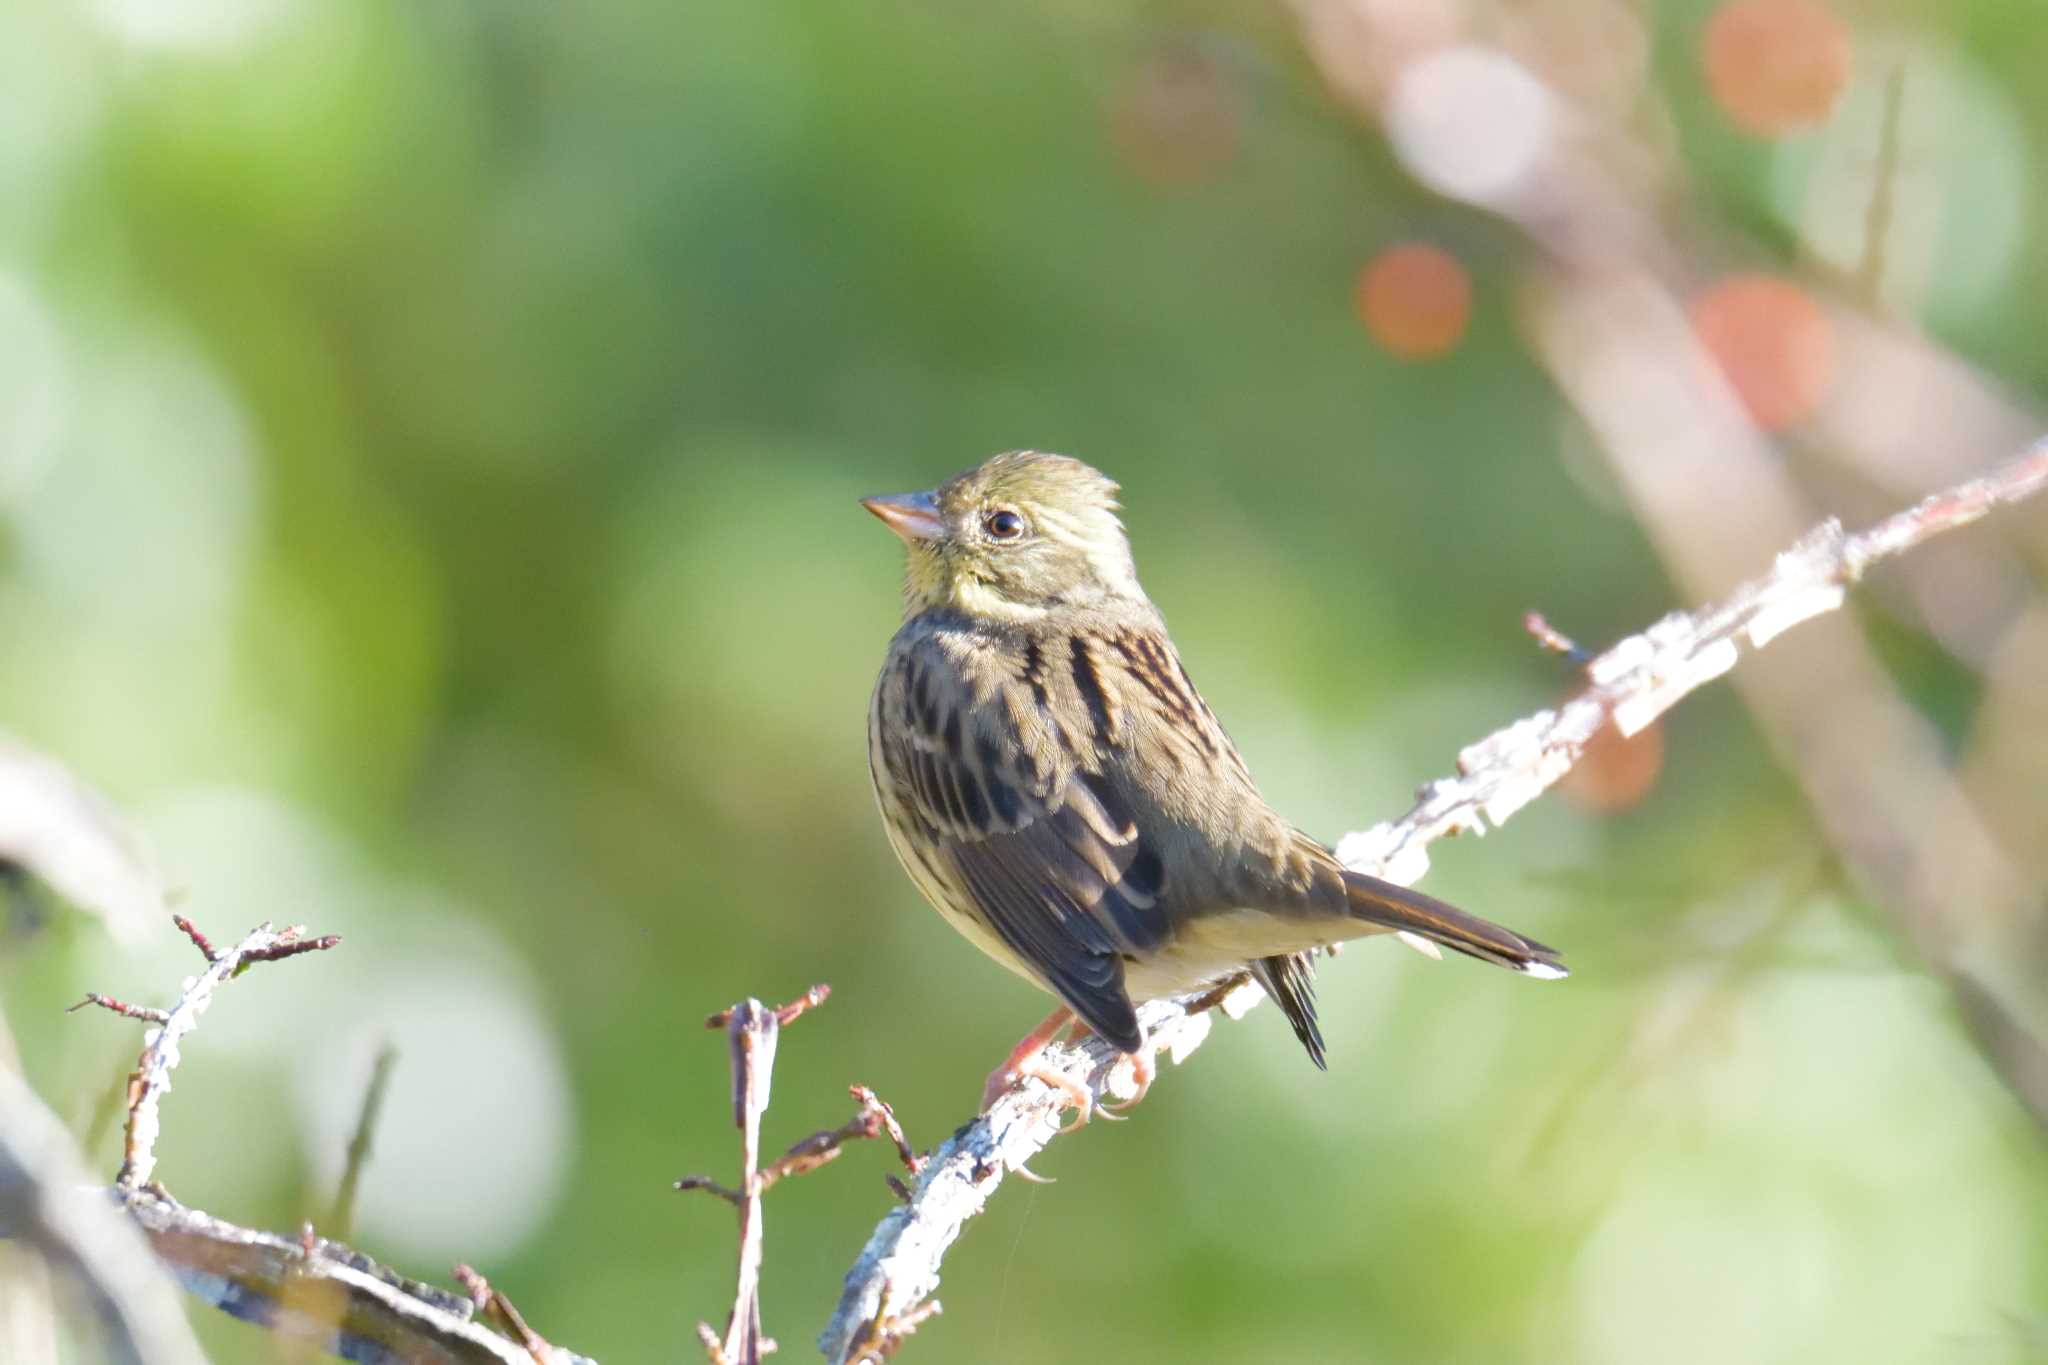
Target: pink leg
1024	1061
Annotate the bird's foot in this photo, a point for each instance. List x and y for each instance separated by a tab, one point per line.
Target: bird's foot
1073	1094
1144	1067
1025	1062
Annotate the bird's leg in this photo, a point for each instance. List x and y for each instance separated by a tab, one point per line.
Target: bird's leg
1025	1061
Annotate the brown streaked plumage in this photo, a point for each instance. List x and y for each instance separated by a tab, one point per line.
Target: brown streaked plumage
1057	788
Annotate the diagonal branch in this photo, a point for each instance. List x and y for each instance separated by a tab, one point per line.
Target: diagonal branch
44	1204
1629	685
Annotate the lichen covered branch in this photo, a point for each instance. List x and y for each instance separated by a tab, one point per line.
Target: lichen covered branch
152	1075
308	1288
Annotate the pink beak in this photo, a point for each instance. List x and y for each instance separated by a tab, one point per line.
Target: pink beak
912	516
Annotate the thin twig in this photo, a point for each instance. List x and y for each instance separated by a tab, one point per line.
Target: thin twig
1630	685
886	1115
199	940
1877	220
152	1074
494	1305
307	1288
1552	639
320	1291
341	1215
751	1030
145	1013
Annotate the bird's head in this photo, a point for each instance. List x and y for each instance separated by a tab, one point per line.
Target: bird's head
1013	538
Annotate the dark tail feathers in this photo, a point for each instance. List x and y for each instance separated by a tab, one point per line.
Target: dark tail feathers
1398	908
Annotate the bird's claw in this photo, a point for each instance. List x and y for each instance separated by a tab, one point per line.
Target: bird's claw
1143	1069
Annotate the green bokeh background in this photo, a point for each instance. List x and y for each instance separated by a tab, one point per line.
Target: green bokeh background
427	508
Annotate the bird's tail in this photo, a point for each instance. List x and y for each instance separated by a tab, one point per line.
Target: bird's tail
1410	912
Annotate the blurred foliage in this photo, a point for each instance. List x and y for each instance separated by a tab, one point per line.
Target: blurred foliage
427	504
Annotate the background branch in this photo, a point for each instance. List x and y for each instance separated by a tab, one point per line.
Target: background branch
44	1202
752	1030
308	1288
151	1078
1608	316
1630	684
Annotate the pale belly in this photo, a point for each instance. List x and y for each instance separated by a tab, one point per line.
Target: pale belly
1219	945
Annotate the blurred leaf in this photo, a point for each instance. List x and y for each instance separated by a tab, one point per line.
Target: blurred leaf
72	838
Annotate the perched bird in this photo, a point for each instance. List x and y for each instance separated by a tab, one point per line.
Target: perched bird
1054	784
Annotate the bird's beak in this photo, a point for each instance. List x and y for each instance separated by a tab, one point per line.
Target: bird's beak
912	516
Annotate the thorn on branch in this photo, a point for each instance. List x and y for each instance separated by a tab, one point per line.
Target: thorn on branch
199	940
809	1153
886	1337
714	1352
871	1103
710	1186
122	1008
809	1000
502	1315
291	947
1553	639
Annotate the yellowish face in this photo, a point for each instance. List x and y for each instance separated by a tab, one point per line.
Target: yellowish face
1013	539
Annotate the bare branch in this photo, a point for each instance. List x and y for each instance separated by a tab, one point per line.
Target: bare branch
45	1201
1640	678
199	940
870	1102
145	1013
308	1288
69	836
1630	685
341	1214
751	1030
152	1075
499	1309
322	1292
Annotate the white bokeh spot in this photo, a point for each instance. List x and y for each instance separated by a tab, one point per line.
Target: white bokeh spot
192	26
472	1148
1472	123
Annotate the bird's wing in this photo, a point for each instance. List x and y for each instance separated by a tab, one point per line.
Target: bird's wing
1045	850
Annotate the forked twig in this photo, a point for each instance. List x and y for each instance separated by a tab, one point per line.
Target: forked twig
306	1287
494	1305
751	1030
152	1075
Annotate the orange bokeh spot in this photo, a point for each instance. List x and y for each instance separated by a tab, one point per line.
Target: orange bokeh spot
1776	66
1614	773
1415	300
1772	342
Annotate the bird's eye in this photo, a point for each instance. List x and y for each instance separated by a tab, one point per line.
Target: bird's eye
1003	524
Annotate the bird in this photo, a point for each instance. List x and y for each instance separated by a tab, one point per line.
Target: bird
1054	784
